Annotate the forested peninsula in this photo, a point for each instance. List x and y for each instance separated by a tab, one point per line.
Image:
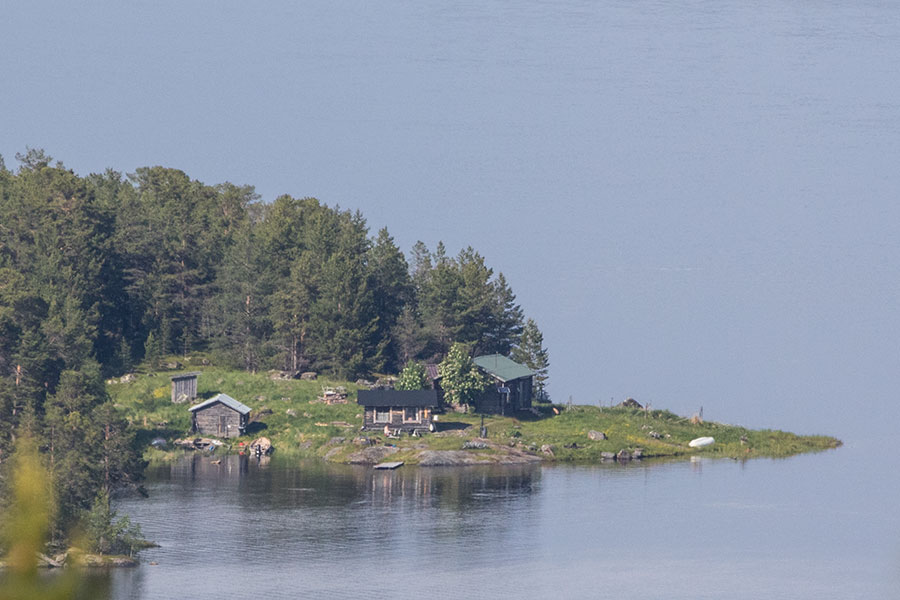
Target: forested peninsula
110	283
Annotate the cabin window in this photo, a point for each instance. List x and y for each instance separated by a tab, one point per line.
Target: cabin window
382	415
411	414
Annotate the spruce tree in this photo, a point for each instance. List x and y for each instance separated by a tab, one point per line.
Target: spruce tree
530	351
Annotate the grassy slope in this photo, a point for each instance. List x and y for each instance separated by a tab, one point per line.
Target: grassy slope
146	402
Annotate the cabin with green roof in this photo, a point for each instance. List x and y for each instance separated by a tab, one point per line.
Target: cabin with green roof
512	385
220	416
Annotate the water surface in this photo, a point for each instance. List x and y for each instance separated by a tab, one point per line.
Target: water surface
790	528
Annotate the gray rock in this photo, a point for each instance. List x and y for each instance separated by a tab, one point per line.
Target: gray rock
332	453
363	441
596	435
128	378
607	456
547	449
442	458
475	444
308	376
372	455
623	455
638	454
173	365
336	440
282	375
654	435
291	412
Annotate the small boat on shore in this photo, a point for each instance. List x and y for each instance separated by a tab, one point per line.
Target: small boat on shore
700	442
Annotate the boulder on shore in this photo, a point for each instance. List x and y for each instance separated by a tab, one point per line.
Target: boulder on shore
631	403
596	435
372	455
263	443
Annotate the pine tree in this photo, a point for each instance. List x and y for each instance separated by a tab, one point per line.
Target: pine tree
530	351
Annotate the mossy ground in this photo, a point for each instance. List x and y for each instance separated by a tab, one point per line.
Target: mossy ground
288	414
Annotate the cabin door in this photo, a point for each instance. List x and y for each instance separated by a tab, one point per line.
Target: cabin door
223	426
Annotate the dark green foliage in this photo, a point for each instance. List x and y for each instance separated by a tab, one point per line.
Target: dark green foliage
98	273
457	300
530	351
110	535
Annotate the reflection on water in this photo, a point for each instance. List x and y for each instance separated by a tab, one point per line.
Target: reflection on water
262	484
685	529
285	522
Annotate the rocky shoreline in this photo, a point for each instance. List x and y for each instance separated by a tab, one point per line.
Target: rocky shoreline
79	559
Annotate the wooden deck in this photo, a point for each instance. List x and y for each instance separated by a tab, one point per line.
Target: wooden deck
389	465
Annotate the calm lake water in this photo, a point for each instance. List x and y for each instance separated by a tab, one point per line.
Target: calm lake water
805	527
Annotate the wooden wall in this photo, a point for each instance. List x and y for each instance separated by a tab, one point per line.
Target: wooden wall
491	401
396	421
219	421
186	386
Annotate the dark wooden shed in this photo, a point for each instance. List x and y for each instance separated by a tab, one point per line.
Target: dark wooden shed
184	387
220	416
512	387
398	410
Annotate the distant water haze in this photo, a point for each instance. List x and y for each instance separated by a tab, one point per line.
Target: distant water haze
696	201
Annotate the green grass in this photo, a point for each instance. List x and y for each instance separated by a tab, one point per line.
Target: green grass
146	403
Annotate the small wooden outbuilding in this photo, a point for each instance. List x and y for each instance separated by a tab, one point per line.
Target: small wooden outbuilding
512	387
399	410
184	387
220	416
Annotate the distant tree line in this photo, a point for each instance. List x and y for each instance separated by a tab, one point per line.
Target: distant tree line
98	273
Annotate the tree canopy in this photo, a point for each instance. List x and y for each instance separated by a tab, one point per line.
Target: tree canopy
99	273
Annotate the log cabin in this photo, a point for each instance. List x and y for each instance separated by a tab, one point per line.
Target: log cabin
220	416
405	411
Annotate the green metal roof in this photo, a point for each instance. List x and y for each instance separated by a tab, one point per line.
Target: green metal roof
502	368
224	399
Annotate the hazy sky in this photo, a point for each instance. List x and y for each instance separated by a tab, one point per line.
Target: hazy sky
696	201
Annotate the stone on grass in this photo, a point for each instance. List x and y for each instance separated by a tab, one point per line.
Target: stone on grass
475	444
